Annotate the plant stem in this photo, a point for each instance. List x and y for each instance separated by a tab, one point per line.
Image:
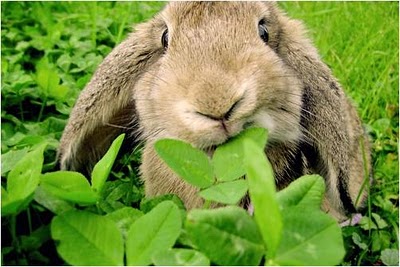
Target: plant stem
28	213
42	109
15	242
21	108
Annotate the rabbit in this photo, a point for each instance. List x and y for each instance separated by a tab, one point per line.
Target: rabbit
202	72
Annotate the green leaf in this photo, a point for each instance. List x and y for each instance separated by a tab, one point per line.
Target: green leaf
227	193
47	78
366	223
51	202
22	181
11	158
147	204
380	223
70	186
357	240
58	92
190	163
310	237
155	231
262	192
87	239
13	206
390	257
380	240
124	218
228	157
102	168
307	191
227	236
180	257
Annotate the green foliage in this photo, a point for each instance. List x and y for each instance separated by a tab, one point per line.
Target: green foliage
288	228
22	181
232	154
226	193
102	169
262	193
228	236
390	257
188	162
180	257
155	231
85	238
50	51
195	167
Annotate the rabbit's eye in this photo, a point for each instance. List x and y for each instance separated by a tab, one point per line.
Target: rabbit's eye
263	31
164	39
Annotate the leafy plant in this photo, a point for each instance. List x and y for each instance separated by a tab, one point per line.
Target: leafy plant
288	227
22	181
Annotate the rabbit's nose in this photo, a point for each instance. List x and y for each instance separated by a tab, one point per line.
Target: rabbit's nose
221	116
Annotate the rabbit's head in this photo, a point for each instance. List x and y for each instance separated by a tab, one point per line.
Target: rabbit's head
200	72
220	71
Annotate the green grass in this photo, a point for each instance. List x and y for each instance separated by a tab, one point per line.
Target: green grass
358	40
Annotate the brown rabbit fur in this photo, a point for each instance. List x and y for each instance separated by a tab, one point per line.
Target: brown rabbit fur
202	72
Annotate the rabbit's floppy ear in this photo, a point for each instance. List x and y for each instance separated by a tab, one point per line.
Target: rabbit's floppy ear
106	108
329	137
321	90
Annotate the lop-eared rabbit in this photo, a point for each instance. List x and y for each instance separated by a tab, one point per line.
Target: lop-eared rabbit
204	71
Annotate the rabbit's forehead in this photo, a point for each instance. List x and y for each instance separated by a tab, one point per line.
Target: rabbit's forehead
184	16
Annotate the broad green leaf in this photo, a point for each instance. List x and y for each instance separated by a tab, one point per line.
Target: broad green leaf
380	223
32	140
58	92
4	194
180	257
390	257
357	240
147	204
228	157
47	79
124	218
102	168
227	193
51	202
366	223
190	163
14	206
310	237
306	191
262	192
22	181
24	177
85	238
11	158
380	240
185	240
155	231
227	236
70	186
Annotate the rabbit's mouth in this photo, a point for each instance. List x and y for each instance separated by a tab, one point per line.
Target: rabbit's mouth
209	150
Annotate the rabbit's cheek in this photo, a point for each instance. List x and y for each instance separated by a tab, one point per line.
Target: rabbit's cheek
280	129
